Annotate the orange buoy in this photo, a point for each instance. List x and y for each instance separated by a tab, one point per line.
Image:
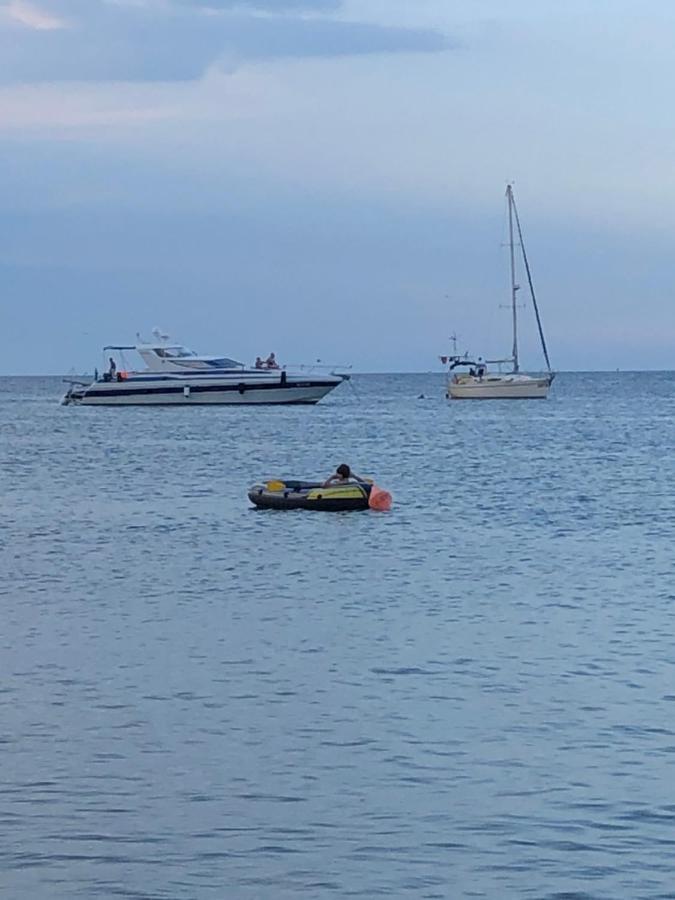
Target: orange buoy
379	499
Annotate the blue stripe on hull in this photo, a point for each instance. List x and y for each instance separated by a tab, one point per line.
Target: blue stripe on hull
224	403
208	388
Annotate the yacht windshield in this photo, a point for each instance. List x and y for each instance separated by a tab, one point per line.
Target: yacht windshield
174	352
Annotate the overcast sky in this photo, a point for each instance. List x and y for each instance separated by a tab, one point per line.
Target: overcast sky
325	178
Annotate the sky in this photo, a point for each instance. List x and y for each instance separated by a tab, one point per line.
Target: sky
325	179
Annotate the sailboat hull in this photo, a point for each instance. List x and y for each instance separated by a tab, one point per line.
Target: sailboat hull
499	387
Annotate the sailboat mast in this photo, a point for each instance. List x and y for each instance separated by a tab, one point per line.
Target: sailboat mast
514	286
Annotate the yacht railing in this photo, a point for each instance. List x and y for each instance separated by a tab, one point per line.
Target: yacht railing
316	367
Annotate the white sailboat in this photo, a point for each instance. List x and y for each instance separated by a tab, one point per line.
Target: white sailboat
479	382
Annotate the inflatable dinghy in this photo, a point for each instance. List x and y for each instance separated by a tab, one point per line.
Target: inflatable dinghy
313	495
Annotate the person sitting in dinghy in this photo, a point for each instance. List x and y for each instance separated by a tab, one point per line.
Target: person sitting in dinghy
343	475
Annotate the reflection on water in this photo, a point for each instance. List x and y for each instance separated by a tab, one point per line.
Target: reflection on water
470	696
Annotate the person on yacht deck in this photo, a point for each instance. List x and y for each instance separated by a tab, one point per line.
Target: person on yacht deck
271	362
259	363
113	367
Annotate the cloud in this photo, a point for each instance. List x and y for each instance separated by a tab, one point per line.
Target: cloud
179	41
277	6
25	13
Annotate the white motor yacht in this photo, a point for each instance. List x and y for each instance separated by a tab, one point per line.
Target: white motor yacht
174	375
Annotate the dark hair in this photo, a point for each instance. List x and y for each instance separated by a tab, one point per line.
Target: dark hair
344	471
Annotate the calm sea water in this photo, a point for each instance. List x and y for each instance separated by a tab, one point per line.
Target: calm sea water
470	696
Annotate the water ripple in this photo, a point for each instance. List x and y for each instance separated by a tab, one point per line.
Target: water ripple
469	697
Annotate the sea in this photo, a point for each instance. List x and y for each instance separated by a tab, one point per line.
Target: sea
470	696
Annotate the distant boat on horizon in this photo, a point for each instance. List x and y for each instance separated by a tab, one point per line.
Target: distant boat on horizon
479	383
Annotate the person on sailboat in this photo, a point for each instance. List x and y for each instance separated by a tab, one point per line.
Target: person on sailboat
482	367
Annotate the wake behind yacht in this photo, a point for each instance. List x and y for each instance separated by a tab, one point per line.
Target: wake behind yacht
174	375
479	383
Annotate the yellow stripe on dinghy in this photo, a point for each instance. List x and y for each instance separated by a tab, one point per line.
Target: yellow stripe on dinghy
275	485
348	492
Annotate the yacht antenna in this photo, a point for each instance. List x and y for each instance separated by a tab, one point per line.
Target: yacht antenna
529	281
514	286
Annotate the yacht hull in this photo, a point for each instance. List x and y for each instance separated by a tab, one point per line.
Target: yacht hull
506	388
180	392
